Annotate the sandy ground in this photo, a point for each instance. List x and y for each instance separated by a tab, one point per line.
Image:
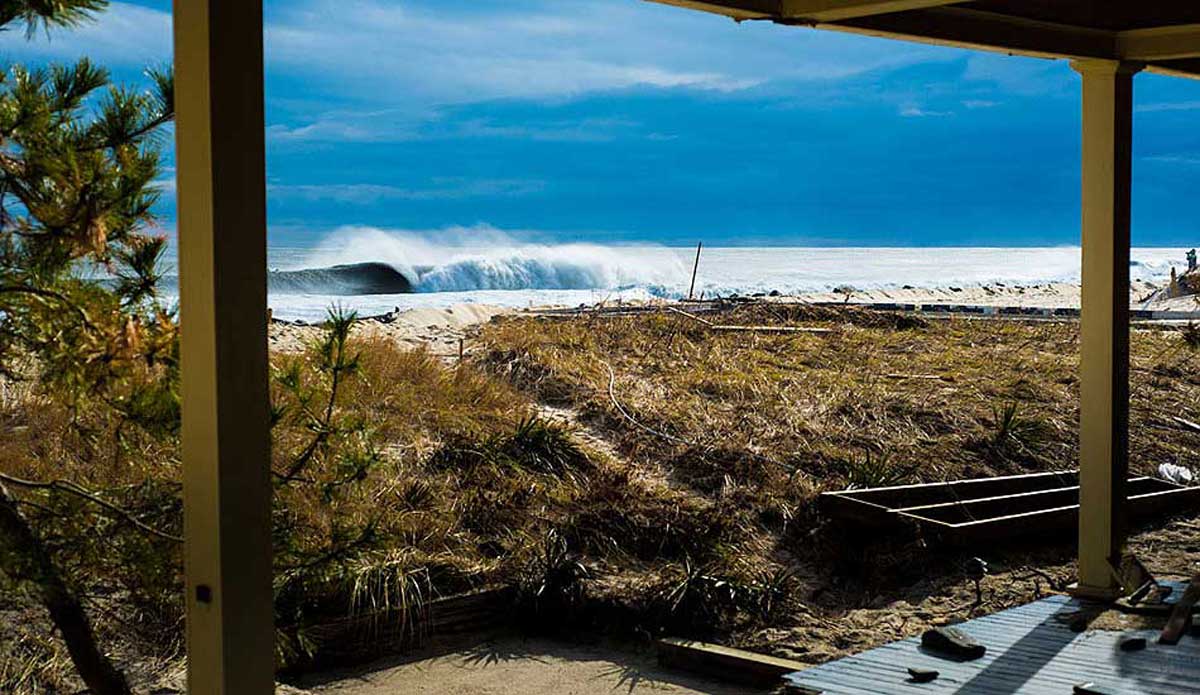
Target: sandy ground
441	329
438	329
515	665
1047	296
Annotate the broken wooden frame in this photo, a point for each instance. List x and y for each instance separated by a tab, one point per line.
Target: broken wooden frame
967	511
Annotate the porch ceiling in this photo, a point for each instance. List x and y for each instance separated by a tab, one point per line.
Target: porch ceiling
1163	34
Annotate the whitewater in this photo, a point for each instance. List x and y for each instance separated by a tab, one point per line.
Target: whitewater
502	271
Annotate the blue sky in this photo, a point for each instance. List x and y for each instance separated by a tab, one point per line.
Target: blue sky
620	120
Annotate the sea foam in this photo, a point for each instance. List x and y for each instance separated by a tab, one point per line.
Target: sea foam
482	258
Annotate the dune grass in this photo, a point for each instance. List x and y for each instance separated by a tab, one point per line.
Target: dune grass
678	497
757	424
872	402
421	480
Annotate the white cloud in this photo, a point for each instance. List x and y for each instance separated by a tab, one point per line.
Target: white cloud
1018	75
581	130
373	70
1182	160
336	127
123	34
402	126
442	189
447	53
1168	106
914	111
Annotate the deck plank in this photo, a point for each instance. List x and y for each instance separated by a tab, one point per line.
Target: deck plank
1031	650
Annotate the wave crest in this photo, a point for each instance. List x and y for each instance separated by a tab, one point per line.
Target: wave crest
483	258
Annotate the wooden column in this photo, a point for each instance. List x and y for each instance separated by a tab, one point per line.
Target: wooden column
1104	332
223	308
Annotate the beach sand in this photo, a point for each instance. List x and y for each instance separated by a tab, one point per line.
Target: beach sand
441	329
438	329
1043	296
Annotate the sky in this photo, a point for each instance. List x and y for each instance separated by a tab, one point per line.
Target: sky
627	121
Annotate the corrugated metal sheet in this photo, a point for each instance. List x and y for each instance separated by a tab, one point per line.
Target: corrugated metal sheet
1031	650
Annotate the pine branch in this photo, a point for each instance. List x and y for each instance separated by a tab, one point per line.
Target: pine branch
47	14
81	492
50	294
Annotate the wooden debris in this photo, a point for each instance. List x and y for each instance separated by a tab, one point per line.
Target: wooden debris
965	512
747	329
952	642
1181	617
931	377
771	329
1187	424
689	315
725	663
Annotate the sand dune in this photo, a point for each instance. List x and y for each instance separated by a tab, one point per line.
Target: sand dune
440	329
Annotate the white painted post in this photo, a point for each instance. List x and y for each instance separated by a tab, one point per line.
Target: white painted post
223	297
1104	332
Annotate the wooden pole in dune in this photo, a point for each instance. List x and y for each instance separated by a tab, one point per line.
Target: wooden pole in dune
695	267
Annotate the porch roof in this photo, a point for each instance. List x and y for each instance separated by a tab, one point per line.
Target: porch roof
1162	34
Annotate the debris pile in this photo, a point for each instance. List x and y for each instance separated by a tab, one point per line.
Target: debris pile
1187	284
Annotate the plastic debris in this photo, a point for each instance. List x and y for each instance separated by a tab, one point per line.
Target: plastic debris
1176	473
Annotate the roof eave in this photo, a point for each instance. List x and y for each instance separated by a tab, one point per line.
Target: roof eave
1168	50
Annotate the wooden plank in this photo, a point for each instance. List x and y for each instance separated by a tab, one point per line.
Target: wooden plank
965	511
848	508
771	329
1025	523
1181	615
362	637
895	496
1004	505
725	663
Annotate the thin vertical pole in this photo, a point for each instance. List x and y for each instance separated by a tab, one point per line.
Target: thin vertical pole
695	267
1104	325
223	350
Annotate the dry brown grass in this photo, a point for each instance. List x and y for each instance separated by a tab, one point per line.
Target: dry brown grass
943	399
465	486
756	425
700	520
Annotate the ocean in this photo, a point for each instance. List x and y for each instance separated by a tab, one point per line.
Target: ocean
383	271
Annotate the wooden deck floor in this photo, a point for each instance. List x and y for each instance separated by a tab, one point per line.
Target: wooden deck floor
1031	649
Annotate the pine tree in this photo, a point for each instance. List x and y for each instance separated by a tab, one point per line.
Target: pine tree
79	314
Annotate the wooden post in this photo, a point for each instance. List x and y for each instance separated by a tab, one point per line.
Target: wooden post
695	267
1104	330
223	304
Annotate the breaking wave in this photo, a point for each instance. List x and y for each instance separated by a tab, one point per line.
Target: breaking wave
348	279
372	261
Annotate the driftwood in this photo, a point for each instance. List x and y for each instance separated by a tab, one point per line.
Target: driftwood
1187	424
747	329
772	329
931	377
1181	617
612	394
